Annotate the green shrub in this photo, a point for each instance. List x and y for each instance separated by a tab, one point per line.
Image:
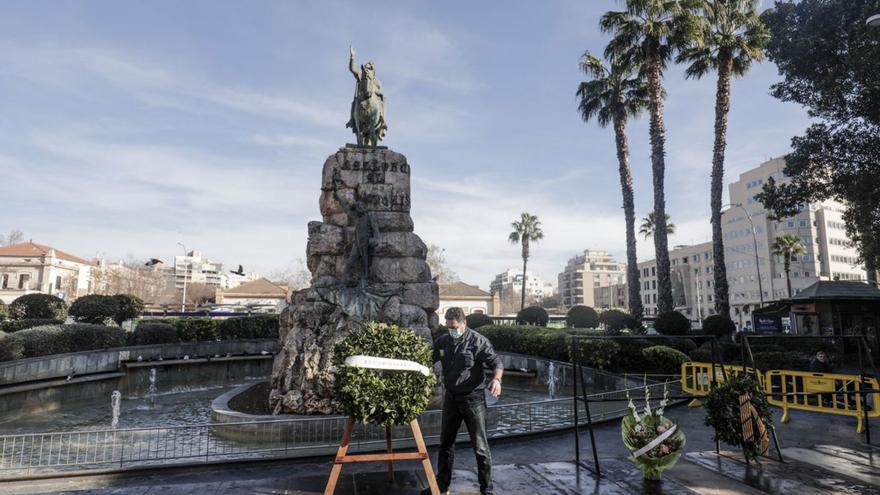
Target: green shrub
729	352
40	341
10	349
477	320
580	316
4	311
128	308
192	329
533	315
86	337
665	359
94	308
701	355
718	325
616	320
16	325
766	361
248	327
672	323
533	341
148	332
630	358
33	306
683	345
597	353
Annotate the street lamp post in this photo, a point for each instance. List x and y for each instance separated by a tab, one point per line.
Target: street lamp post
183	299
755	241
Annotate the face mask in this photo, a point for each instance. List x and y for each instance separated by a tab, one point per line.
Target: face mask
456	333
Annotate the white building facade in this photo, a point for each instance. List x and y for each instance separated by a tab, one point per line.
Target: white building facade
510	282
195	269
29	267
829	254
691	271
585	274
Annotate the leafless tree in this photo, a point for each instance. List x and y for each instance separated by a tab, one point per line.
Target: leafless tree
129	277
440	269
296	275
14	236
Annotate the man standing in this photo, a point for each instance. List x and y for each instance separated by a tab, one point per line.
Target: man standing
464	354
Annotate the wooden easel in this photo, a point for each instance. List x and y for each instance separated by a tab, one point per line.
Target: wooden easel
343	457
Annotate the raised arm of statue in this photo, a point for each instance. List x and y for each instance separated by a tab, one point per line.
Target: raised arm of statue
351	65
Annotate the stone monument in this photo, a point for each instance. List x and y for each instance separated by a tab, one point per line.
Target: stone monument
366	264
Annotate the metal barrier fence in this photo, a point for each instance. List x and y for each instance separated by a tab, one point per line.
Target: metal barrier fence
828	393
34	453
697	379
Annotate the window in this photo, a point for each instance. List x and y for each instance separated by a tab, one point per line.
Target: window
790	224
654	284
802	223
58	282
655	298
23	279
4	282
653	271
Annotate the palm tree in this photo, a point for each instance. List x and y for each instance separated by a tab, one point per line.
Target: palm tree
648	226
613	93
646	34
787	246
731	37
525	231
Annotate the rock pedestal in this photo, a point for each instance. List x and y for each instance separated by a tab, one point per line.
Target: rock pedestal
398	289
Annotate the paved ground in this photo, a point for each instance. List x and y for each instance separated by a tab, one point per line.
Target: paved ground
823	455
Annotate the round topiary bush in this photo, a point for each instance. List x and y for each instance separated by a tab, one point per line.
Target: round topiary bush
477	320
672	323
665	359
383	397
582	317
33	306
148	333
616	320
128	307
718	325
533	315
94	308
13	326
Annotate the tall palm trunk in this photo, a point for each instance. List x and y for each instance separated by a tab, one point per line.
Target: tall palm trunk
722	107
787	268
658	166
525	257
626	188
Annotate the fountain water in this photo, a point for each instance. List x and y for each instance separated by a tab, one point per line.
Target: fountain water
552	380
115	401
151	392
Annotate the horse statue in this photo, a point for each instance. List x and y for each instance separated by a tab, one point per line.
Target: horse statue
368	106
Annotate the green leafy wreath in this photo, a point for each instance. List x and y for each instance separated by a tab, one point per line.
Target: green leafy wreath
383	397
723	412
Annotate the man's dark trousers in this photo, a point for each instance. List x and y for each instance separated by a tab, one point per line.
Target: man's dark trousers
471	409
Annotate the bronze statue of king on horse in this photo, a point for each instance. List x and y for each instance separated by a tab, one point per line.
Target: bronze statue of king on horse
368	107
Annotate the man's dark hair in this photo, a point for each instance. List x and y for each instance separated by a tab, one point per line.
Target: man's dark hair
455	313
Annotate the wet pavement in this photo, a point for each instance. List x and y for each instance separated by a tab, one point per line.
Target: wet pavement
823	454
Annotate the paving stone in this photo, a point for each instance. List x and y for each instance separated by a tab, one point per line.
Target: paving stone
781	478
859	465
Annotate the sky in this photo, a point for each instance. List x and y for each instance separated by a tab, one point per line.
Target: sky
129	127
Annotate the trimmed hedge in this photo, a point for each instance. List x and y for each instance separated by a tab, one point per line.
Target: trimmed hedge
718	325
60	339
32	306
94	308
10	350
128	308
580	316
672	323
477	320
192	329
16	325
533	315
4	311
616	320
148	333
665	359
248	327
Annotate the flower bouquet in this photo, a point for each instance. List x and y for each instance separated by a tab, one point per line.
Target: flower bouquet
654	442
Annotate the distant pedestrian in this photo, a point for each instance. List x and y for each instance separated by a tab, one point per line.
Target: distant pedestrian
820	363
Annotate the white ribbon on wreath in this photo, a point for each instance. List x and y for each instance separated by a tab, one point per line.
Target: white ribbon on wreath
655	442
380	363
